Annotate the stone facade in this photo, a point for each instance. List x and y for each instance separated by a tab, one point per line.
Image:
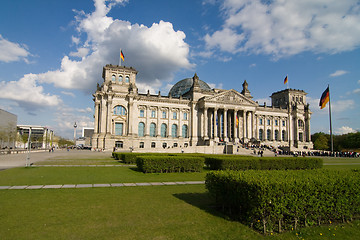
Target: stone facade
194	116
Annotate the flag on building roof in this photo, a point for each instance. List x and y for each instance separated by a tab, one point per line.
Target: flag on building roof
324	98
286	80
122	55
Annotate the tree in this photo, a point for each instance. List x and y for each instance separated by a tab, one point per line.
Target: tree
321	142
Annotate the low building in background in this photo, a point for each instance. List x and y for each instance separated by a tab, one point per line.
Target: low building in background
41	137
8	122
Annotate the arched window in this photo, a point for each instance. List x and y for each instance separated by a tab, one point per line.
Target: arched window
127	79
163	130
119	110
113	78
174	130
152	129
184	131
141	129
283	135
261	133
276	135
120	78
268	134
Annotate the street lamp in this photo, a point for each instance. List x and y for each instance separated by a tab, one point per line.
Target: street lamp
75	126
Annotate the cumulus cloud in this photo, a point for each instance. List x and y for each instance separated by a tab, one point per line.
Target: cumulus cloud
27	93
338	73
283	28
344	130
11	52
157	52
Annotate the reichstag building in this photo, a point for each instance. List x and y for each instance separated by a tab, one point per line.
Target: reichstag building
194	118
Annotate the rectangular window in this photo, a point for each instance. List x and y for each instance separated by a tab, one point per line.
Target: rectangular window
153	114
283	123
119	144
141	145
164	114
260	121
174	115
300	137
119	129
142	112
268	122
153	145
276	122
185	116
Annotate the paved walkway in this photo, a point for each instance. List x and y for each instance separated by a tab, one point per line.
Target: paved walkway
32	187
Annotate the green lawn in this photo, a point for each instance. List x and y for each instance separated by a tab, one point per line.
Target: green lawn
341	163
157	212
82	175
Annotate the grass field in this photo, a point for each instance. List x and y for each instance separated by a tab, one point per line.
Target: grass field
153	212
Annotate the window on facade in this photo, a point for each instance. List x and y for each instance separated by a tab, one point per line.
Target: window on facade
283	135
268	134
113	78
276	137
119	144
283	123
153	113
119	129
164	114
153	145
141	145
268	122
276	122
175	145
141	129
164	145
261	132
174	115
301	137
184	131
163	130
152	130
142	113
260	121
300	123
185	116
119	110
174	131
127	79
120	78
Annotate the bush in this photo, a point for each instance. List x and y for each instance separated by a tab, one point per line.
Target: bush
261	163
167	164
281	200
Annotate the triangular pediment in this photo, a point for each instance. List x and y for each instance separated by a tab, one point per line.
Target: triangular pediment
230	97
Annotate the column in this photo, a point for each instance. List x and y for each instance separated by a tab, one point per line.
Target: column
96	116
158	124
205	124
244	125
225	125
256	135
103	117
109	111
180	123
216	124
236	134
147	124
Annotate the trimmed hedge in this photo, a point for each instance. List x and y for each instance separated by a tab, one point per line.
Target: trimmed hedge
280	200
261	163
130	157
167	164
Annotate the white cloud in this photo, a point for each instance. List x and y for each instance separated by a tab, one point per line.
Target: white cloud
68	93
252	65
357	91
28	94
156	52
282	28
344	130
11	52
338	73
336	106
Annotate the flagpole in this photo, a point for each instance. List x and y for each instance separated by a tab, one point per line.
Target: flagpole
331	135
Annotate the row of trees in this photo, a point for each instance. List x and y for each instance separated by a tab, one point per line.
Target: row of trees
345	142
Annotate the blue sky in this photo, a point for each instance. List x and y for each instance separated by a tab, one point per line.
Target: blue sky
52	53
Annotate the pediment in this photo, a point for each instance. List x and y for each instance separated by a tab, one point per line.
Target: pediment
230	97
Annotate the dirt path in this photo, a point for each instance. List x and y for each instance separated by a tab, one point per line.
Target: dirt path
18	160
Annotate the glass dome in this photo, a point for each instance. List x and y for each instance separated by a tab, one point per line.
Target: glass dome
183	86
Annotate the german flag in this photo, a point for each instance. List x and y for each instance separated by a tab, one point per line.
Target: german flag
122	55
325	97
286	80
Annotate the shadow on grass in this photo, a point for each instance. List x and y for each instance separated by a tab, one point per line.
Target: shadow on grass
202	201
135	169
